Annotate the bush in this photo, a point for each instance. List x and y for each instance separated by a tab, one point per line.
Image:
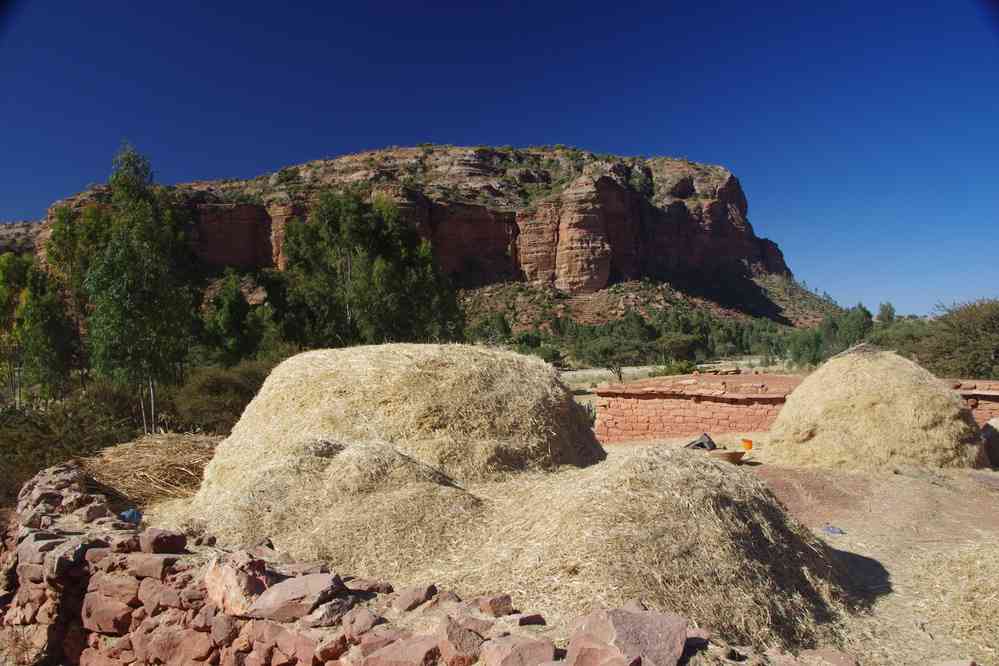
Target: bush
33	438
213	399
673	368
964	341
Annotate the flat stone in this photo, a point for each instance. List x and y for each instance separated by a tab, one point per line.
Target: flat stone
105	615
497	605
155	540
516	651
458	645
329	613
358	622
296	597
418	651
147	565
657	638
411	597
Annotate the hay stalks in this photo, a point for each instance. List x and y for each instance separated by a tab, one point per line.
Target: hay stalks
153	467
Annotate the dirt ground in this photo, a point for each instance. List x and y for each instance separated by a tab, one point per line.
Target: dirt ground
884	528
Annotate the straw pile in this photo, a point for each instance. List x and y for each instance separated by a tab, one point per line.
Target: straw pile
154	467
473	412
963	583
674	528
870	409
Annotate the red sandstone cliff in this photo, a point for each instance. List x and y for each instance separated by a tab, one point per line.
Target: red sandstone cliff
548	216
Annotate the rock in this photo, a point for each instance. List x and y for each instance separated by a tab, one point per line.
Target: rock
123	588
657	638
375	640
516	651
496	605
224	629
155	540
588	651
369	585
358	622
329	613
529	619
233	582
412	597
296	597
105	615
145	565
478	625
826	657
458	645
418	651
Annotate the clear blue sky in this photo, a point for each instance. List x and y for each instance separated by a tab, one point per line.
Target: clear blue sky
866	134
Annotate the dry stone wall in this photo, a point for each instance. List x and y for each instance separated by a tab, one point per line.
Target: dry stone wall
78	586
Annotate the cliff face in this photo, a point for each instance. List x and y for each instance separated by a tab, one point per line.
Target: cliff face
548	216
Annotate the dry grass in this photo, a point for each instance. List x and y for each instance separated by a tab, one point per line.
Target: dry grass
963	583
154	467
870	409
681	531
350	455
473	412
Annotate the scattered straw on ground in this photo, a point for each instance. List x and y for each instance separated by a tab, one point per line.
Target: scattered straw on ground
154	467
963	583
869	409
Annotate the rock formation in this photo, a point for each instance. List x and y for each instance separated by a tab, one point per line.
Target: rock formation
553	217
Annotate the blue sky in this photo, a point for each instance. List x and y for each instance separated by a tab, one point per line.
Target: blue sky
866	134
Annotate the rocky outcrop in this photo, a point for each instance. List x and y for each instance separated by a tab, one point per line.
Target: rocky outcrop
18	237
79	586
548	216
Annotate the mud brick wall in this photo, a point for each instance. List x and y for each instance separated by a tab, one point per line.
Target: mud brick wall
626	418
690	405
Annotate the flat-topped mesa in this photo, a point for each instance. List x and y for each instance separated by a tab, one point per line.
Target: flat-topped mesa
555	217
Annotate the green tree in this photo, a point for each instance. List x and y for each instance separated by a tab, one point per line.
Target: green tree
886	313
141	313
227	322
963	341
46	335
357	272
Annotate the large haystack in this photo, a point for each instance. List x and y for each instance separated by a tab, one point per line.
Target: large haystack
675	528
348	456
473	412
869	409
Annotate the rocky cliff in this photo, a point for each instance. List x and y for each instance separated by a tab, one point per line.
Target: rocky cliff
552	217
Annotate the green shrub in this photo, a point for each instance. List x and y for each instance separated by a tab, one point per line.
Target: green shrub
673	368
213	399
33	438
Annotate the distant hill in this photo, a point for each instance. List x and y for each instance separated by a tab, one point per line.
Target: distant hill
553	219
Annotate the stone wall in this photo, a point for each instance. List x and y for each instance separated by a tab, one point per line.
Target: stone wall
79	586
693	404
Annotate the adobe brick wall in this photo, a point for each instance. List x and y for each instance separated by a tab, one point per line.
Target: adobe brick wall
626	418
689	405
